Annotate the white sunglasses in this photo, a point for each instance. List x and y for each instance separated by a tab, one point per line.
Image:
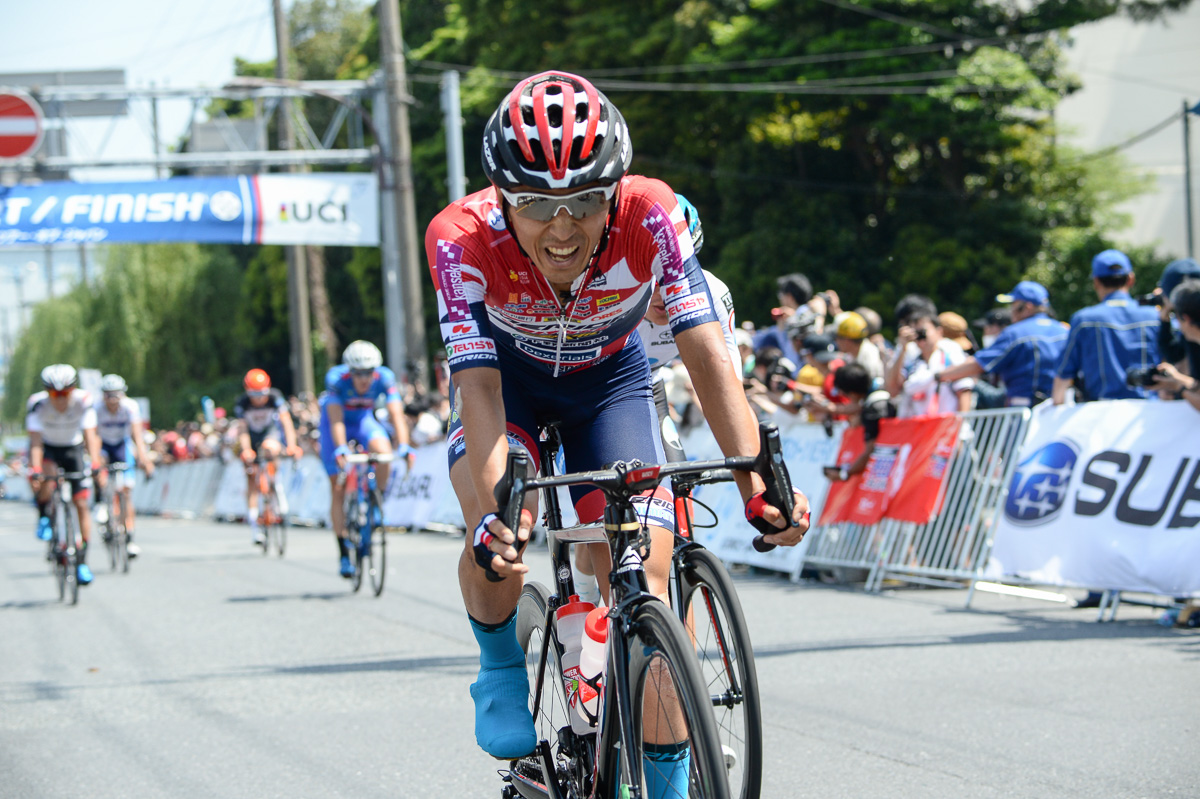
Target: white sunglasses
544	207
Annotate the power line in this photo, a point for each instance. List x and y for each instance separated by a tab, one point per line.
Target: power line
870	12
964	45
1107	151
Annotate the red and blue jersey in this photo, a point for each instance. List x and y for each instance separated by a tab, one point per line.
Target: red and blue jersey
494	305
339	389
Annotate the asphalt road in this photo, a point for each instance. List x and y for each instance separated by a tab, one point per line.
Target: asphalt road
211	671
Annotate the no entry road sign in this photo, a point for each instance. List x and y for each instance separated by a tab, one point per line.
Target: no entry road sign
21	125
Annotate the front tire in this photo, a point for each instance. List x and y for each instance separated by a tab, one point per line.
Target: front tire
670	707
377	555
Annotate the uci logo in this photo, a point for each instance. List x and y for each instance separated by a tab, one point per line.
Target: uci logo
1038	489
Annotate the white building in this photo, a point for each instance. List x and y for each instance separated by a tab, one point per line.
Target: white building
1136	75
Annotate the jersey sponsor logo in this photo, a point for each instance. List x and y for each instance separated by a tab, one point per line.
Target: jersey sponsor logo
695	302
675	289
470	346
599	281
549	354
495	219
456	330
608	299
690	315
658	222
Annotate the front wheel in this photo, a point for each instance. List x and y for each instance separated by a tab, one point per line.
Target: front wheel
714	620
377	549
669	747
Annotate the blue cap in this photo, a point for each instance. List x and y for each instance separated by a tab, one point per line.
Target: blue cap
1111	263
1176	272
1027	291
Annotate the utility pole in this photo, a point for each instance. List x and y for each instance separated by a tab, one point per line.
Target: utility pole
456	178
402	292
1187	176
297	267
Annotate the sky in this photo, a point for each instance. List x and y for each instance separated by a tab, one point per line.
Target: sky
1135	77
164	42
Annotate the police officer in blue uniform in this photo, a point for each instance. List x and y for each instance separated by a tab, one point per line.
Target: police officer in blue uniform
1025	354
1109	338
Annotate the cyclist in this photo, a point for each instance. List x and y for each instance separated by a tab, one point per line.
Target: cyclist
263	425
348	414
61	422
541	281
119	423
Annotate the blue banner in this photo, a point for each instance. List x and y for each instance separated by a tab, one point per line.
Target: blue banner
334	209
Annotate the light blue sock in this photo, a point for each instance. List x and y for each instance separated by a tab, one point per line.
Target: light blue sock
667	767
503	724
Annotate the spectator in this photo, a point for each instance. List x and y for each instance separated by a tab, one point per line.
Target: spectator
955	329
820	401
423	427
1173	346
875	330
1185	299
852	334
921	354
1110	338
854	382
794	292
993	323
745	344
1026	354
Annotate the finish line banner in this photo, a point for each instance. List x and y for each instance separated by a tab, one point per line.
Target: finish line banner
1106	495
321	208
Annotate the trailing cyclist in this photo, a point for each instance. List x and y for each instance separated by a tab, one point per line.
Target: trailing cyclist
61	422
264	427
122	440
661	351
541	281
352	391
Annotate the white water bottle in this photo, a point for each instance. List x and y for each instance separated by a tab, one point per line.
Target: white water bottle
571	618
592	657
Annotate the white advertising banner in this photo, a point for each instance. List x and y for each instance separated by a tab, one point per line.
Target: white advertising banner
806	450
412	498
328	208
1106	495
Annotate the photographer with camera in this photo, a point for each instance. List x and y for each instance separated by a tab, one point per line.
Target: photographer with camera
1109	338
922	353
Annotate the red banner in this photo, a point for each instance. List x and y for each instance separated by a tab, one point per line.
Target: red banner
905	476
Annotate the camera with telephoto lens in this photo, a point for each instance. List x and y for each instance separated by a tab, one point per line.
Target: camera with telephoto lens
1142	376
1153	298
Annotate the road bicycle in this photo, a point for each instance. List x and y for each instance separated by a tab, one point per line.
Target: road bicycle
110	513
272	506
65	545
363	509
652	689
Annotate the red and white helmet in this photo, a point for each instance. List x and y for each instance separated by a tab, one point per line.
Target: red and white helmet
555	130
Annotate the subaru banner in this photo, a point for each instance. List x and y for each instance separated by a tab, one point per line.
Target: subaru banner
316	208
1106	495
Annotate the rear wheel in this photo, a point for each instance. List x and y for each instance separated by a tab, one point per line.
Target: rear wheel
672	719
715	622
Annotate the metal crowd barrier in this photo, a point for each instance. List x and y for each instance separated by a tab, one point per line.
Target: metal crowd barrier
952	548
